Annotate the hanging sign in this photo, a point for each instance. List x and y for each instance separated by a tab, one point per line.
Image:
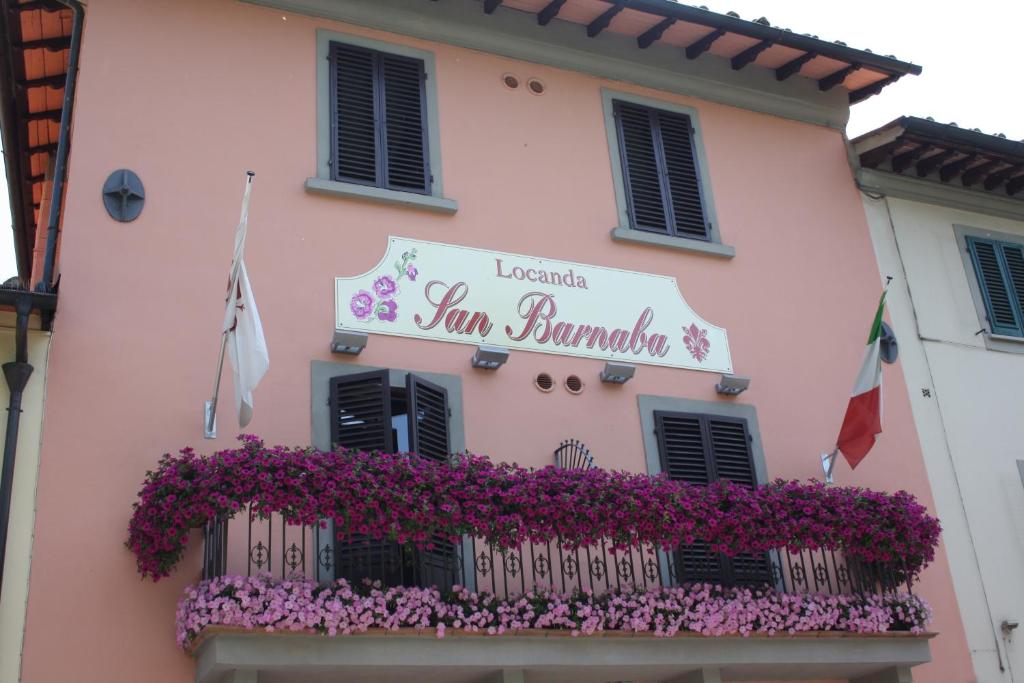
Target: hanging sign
472	296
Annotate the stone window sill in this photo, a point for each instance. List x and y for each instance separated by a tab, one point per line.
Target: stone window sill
1005	338
380	195
717	249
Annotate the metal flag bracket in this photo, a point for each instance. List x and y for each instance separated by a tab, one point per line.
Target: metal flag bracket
828	464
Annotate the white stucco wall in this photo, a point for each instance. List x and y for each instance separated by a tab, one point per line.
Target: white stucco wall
17	562
968	404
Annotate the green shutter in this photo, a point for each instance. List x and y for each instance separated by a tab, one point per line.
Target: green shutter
1000	270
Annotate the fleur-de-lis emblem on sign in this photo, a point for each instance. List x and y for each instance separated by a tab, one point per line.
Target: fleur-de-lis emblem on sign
697	342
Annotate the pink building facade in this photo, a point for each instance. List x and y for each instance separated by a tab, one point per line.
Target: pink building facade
522	146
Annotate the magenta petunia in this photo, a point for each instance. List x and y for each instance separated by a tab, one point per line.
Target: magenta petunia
361	305
385	286
411	271
387	310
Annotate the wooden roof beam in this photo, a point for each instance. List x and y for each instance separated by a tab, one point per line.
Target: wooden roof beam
973	175
873	157
902	162
1015	185
651	35
950	171
551	11
602	22
702	45
837	77
996	179
873	89
750	54
793	66
491	5
926	166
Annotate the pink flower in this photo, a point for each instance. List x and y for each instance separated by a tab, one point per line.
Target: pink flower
361	305
411	271
385	286
387	310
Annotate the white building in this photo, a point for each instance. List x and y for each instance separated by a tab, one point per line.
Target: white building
946	210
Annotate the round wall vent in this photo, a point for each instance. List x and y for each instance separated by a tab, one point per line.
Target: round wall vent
573	384
536	87
544	382
511	81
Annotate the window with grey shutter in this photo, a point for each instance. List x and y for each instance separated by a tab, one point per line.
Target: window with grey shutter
999	267
702	449
659	169
369	414
378	119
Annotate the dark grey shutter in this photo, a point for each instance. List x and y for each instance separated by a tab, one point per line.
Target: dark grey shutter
428	419
361	411
640	171
659	168
701	449
429	437
353	103
1000	270
405	123
733	461
360	407
379	121
685	457
681	167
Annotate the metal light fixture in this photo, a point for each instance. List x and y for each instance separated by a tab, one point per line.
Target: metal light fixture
347	341
732	385
617	373
488	357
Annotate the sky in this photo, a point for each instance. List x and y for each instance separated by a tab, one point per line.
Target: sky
969	52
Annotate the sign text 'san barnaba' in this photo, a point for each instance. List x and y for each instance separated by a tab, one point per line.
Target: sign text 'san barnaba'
472	296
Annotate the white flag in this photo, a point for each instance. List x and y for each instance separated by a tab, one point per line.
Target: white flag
246	346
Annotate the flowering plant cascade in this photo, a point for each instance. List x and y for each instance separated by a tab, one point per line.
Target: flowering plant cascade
305	605
414	500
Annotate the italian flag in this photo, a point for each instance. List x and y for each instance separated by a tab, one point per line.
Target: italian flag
863	419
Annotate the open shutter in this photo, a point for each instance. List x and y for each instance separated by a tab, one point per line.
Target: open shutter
353	106
676	132
361	411
1002	302
360	407
429	438
428	419
684	452
733	461
405	123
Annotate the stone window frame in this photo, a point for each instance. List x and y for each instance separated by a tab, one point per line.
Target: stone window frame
323	184
993	342
321	373
713	246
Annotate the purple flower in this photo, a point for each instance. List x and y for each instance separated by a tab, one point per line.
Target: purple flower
411	271
385	286
387	310
361	305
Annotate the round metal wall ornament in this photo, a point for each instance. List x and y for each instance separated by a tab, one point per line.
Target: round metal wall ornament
123	195
889	348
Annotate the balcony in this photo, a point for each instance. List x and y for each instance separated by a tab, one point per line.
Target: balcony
290	593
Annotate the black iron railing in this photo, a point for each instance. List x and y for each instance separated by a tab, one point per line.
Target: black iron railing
250	545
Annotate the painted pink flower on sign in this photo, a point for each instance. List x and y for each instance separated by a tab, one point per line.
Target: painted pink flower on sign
361	305
387	310
697	342
385	286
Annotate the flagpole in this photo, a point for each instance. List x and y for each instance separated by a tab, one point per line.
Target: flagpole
210	409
